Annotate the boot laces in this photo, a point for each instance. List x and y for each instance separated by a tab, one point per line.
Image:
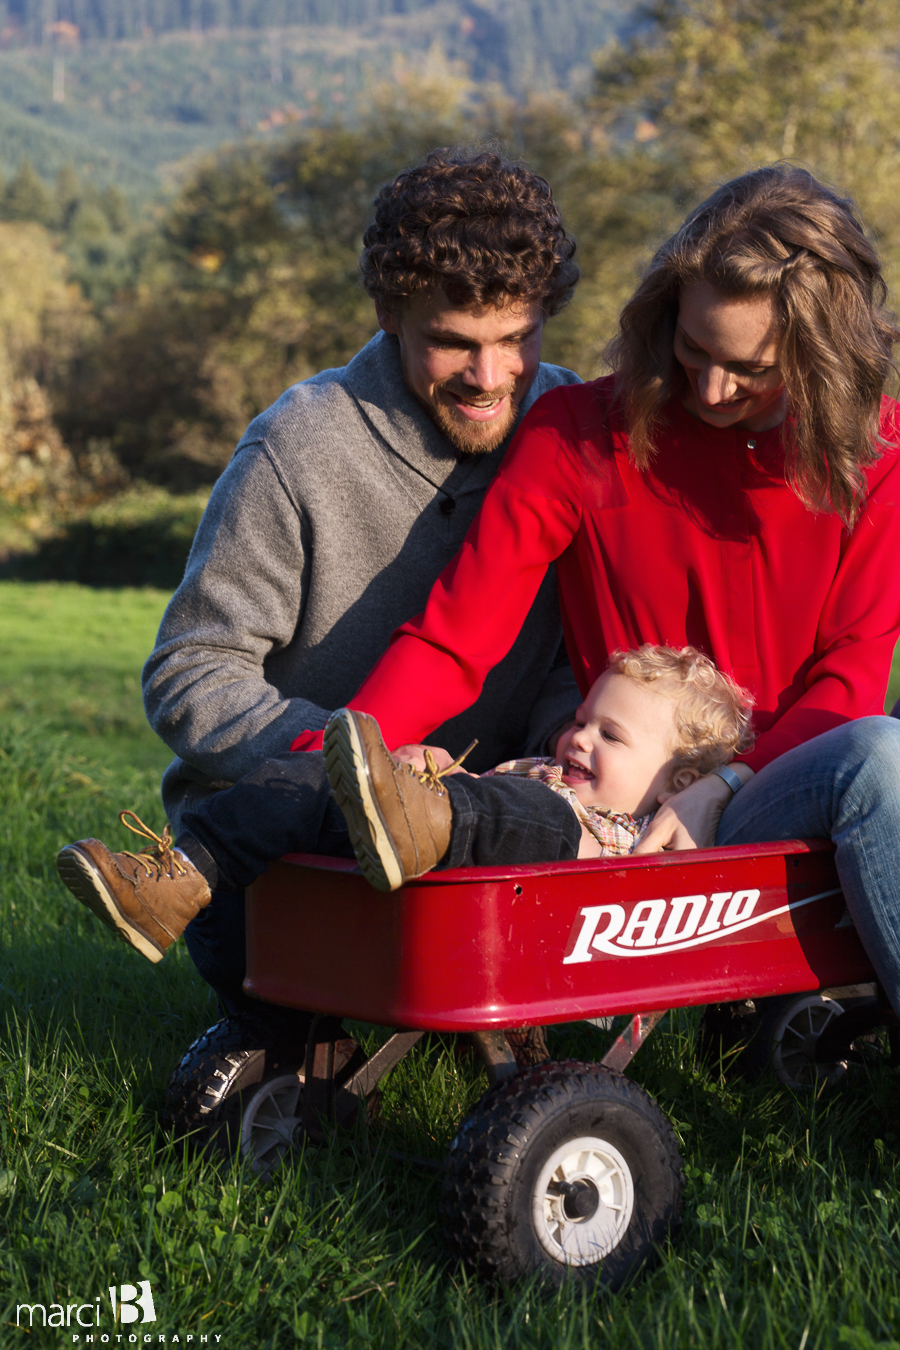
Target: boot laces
159	859
431	775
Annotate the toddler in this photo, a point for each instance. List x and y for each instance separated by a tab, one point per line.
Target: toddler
655	720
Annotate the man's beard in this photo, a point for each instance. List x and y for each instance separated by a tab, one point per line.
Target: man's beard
475	438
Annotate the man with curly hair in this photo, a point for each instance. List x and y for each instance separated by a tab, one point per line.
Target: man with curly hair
340	507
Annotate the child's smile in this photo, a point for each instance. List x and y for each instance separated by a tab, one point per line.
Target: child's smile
575	772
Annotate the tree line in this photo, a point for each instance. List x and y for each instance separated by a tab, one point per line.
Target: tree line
560	22
111	19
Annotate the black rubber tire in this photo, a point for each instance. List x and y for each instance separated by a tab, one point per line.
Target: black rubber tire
492	1175
203	1098
788	1051
753	1044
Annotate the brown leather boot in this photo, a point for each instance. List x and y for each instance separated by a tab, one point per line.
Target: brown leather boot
398	818
146	898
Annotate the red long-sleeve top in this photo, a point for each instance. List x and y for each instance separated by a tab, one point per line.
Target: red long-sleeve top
709	547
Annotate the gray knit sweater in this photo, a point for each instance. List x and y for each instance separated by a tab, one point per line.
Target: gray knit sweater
341	505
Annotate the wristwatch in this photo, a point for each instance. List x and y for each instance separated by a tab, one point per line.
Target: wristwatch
727	775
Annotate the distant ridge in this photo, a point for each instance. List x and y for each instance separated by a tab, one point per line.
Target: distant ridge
36	21
512	41
124	89
110	20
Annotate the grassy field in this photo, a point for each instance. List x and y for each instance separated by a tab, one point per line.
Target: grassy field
791	1235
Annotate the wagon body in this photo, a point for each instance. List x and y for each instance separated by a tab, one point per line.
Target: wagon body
566	1169
486	947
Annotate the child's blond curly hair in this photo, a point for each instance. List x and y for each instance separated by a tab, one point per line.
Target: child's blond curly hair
713	721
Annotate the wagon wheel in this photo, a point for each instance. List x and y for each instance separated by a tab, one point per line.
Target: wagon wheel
568	1170
271	1123
785	1040
203	1097
780	1034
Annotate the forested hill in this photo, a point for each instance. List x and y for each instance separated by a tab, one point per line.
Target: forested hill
130	18
509	40
120	90
112	19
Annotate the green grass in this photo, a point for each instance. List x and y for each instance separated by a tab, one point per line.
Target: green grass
791	1237
71	660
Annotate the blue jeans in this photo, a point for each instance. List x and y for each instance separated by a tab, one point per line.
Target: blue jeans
843	786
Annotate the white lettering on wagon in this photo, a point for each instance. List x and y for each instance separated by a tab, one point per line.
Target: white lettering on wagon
669	925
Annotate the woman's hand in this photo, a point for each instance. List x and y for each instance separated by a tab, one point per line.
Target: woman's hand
690	818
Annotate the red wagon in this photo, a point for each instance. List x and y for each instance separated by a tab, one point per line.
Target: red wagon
562	1167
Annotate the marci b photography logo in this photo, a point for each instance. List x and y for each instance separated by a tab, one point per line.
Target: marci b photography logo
128	1300
130	1305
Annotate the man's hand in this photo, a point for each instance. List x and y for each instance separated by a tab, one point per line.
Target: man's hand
415	755
690	819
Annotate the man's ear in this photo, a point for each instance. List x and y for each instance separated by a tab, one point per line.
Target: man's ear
681	779
386	319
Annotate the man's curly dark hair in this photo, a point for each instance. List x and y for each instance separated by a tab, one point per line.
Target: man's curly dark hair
483	229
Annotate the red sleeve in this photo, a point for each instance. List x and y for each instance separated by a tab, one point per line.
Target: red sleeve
859	622
437	663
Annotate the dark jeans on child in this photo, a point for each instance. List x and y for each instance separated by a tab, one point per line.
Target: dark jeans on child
285	806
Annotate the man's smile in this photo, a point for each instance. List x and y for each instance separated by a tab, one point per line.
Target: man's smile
479	407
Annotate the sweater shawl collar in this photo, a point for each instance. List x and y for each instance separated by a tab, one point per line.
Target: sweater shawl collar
375	381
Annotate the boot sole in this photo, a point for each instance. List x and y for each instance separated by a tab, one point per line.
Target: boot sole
86	883
351	786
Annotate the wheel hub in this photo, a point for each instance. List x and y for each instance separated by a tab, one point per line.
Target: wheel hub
583	1201
580	1199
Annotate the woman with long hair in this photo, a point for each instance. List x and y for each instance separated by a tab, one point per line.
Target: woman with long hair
734	486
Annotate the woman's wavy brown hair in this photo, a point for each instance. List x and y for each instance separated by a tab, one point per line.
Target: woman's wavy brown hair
776	231
483	229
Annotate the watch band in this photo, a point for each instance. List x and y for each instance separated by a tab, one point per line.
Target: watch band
727	775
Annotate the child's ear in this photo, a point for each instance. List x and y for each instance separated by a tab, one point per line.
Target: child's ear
681	779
